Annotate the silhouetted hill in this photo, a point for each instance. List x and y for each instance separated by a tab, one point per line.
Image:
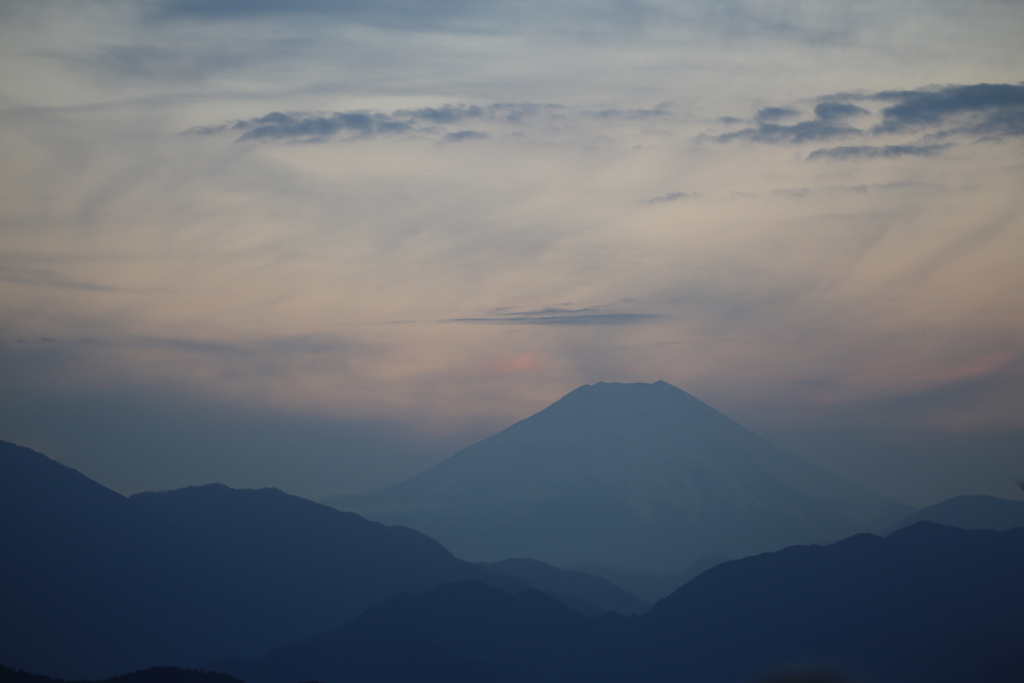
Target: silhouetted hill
927	603
467	627
650	586
93	584
970	512
156	674
305	567
600	593
879	606
634	475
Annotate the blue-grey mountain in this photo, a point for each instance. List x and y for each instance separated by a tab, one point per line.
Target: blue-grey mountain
94	584
586	592
633	475
971	512
927	604
647	585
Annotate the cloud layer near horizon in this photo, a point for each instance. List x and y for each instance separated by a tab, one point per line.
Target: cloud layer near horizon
450	214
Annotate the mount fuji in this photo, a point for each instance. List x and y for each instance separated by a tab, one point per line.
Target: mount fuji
640	476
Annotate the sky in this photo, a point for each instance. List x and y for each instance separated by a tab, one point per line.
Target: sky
321	245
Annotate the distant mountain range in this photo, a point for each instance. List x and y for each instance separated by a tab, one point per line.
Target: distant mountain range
587	593
640	476
965	512
650	586
929	603
970	512
272	588
94	584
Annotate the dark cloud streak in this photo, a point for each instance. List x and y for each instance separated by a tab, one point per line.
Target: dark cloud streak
662	109
768	114
798	132
838	111
983	109
558	316
393	13
670	197
1000	108
320	127
312	128
444	114
883	152
459	136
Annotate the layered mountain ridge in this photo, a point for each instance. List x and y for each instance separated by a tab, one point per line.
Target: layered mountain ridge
94	584
970	512
633	475
928	604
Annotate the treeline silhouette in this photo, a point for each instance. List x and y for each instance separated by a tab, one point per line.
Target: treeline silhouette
155	674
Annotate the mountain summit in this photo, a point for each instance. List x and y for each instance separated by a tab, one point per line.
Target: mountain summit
635	475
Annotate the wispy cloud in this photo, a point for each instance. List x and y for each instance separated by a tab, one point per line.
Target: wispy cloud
671	197
803	131
771	114
792	192
661	110
460	135
985	109
471	156
883	152
51	278
838	111
360	124
312	128
384	12
559	316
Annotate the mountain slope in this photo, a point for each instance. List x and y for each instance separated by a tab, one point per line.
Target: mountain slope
648	585
299	567
884	607
635	475
450	630
928	603
94	584
600	593
80	564
970	512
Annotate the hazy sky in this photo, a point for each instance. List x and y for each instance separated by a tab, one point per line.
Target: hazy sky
321	244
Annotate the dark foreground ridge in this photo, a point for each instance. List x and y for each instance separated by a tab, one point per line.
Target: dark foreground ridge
641	476
588	594
928	604
155	674
271	588
93	584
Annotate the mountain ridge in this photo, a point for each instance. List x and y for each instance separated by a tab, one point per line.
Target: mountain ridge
914	607
970	512
94	584
618	473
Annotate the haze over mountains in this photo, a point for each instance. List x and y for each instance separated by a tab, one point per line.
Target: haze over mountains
927	604
633	475
586	592
272	588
